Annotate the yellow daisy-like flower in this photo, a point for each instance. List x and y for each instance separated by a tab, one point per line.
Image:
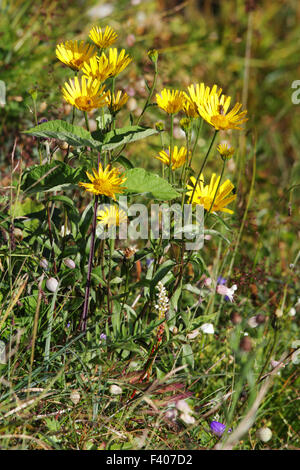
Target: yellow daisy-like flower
214	111
190	109
205	194
171	101
75	53
103	39
107	182
98	68
118	62
86	95
111	216
178	157
116	101
199	94
225	150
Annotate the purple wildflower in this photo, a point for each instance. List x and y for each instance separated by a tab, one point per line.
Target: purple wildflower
43	120
221	281
218	428
103	336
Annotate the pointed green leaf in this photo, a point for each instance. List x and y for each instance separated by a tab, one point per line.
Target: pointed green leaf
140	181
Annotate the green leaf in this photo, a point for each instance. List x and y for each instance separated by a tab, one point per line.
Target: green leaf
125	135
187	355
124	162
74	135
52	176
140	181
160	274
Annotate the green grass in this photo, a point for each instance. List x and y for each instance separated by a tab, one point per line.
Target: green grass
47	357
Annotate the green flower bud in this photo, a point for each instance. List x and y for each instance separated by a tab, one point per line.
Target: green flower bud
159	126
153	55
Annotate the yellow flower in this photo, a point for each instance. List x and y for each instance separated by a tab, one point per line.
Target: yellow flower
200	93
111	216
74	53
107	182
170	101
214	108
190	108
117	62
204	195
225	150
86	95
115	102
98	68
178	158
103	39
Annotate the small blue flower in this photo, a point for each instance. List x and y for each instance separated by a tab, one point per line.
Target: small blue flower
218	428
43	120
221	280
103	336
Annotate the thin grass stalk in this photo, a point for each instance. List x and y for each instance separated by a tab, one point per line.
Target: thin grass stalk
49	328
83	322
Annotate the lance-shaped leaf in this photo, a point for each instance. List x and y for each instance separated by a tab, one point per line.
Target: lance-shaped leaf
52	176
125	135
140	181
79	137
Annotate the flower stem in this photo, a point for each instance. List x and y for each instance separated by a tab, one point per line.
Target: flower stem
171	146
204	163
83	321
216	192
86	121
150	94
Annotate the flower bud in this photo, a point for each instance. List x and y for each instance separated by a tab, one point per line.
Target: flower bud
115	390
183	406
159	126
51	284
153	55
236	318
75	396
44	264
188	419
246	344
260	318
69	263
185	124
171	414
264	434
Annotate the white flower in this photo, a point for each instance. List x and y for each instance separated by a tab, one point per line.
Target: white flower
264	434
188	419
75	396
226	291
171	414
183	406
207	328
115	390
51	284
193	334
292	312
252	322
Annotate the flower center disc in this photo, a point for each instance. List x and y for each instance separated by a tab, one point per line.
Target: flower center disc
85	103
